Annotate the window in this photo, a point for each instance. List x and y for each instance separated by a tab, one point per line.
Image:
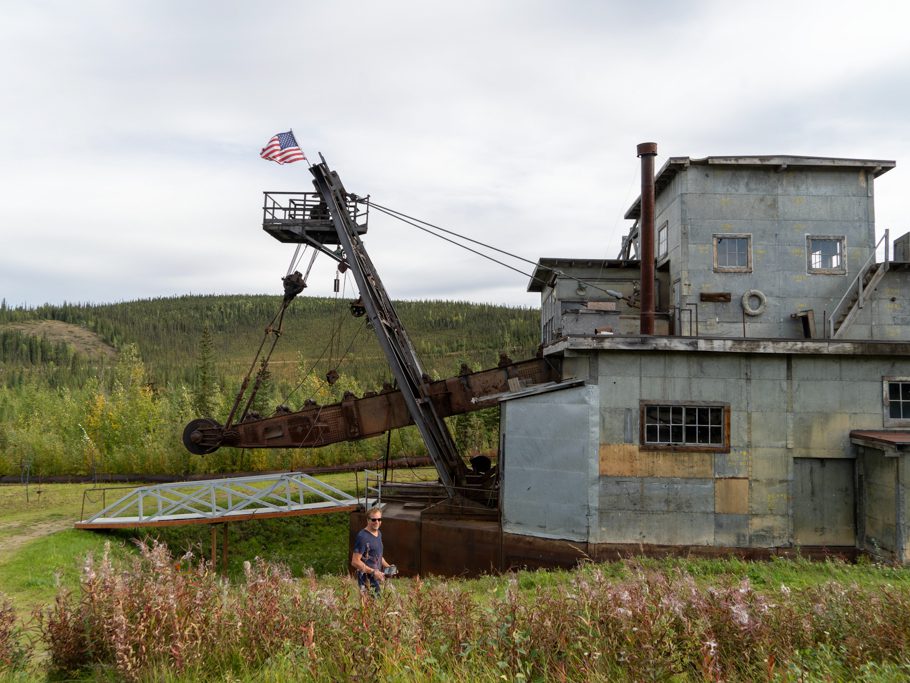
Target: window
733	253
662	244
826	254
897	401
685	426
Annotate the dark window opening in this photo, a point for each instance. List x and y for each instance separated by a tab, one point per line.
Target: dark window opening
685	425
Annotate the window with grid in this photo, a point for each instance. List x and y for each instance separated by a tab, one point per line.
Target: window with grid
897	401
690	426
826	254
733	253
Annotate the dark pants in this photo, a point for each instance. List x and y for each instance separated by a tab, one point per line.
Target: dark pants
369	582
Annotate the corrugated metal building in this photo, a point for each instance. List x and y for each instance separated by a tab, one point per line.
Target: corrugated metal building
769	410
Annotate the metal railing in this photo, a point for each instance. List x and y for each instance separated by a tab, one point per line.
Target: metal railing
858	284
307	206
240	497
372	484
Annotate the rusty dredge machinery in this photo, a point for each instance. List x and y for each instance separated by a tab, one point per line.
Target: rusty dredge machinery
331	221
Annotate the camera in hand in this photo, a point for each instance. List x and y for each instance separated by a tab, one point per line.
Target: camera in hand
391	570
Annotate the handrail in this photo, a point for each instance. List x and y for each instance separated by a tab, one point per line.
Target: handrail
306	206
368	476
858	282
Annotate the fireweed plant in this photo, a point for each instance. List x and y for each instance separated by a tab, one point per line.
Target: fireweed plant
167	618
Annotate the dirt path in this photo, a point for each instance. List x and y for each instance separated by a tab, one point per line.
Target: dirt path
29	531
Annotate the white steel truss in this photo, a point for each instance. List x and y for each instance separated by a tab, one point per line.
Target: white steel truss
224	500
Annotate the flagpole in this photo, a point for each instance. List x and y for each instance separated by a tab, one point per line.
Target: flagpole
298	144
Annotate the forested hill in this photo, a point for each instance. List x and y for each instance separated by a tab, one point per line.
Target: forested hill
69	343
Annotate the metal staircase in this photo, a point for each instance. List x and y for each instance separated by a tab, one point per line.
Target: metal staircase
859	292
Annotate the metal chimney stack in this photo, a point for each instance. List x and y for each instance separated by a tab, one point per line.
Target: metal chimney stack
646	152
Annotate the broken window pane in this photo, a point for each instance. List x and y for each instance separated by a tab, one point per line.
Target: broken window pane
682	425
826	254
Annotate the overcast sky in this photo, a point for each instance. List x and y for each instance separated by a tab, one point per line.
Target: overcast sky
131	130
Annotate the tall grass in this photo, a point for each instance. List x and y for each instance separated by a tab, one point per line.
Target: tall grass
13	650
166	617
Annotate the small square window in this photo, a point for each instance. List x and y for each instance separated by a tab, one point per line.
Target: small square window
826	254
897	401
733	253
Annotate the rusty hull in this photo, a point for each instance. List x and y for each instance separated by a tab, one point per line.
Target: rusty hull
424	541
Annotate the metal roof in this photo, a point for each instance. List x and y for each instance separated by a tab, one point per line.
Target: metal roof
886	439
547	268
777	162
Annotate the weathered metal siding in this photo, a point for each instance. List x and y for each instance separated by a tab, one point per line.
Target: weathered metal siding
903	511
669	209
549	463
878	498
823	502
782	407
887	315
778	209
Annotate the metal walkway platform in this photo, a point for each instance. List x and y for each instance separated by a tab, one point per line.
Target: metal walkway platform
215	501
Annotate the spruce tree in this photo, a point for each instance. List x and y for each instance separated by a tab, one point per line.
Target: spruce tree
204	386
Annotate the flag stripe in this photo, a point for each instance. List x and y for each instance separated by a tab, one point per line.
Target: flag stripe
282	149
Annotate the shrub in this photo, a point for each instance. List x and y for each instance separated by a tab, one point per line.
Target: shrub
177	616
14	652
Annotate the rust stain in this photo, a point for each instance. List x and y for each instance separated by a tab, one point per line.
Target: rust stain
627	460
676	464
731	496
618	460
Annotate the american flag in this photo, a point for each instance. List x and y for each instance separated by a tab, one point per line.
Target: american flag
282	148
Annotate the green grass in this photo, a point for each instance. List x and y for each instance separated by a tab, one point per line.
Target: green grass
33	571
39	549
310	542
32	574
794	573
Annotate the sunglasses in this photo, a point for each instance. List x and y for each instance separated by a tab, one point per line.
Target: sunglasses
375	519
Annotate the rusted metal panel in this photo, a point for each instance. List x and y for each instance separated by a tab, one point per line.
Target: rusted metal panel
459	547
618	460
528	552
626	460
420	544
823	502
731	345
646	152
374	414
673	464
731	496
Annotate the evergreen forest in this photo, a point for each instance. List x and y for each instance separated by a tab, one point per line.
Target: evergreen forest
95	390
